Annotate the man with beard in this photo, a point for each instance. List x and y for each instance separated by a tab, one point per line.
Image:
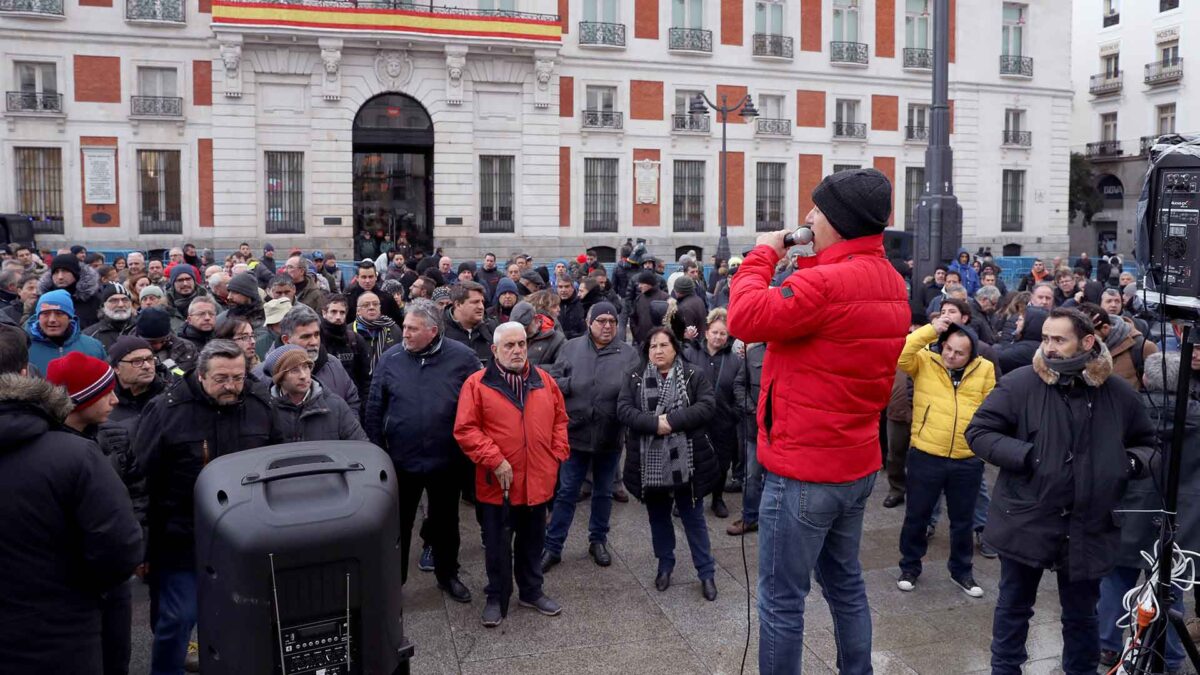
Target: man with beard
301	409
116	315
365	281
378	329
505	298
465	322
490	275
301	326
19	310
571	312
155	273
343	344
184	288
30	261
201	320
80	281
175	257
244	300
175	355
308	292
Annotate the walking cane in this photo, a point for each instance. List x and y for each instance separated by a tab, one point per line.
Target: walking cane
506	564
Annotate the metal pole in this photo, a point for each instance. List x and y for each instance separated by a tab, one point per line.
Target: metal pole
723	241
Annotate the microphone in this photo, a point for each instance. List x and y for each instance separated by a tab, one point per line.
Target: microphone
800	237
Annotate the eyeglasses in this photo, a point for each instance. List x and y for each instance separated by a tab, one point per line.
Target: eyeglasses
243	338
140	363
606	322
227	379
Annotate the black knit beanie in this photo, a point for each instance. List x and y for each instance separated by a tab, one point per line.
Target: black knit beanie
857	202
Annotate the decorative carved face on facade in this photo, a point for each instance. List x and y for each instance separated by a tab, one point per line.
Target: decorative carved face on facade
393	64
231	55
331	60
455	73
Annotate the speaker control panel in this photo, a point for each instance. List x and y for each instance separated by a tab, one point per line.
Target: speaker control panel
318	648
1178	201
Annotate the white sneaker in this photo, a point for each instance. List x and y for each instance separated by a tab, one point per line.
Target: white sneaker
907	582
968	586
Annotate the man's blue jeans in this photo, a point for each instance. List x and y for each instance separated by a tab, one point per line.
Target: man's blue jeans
806	530
570	479
1112	591
176	591
753	485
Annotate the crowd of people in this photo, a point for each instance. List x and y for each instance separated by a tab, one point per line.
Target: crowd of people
525	388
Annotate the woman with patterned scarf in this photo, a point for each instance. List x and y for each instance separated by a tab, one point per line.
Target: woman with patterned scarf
379	330
666	405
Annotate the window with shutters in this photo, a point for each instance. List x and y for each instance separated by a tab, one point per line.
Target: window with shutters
845	20
1166	119
496	193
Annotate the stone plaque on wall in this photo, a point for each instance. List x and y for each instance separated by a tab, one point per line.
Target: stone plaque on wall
646	177
100	175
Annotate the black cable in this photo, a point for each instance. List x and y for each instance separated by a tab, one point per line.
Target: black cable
746	572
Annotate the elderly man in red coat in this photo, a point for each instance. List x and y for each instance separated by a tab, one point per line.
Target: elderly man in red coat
512	423
834	330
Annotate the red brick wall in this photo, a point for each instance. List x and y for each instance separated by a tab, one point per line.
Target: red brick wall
204	157
564	187
645	100
887	165
113	210
810	25
95	3
566	96
564	15
731	22
953	39
810	108
97	79
885	112
885	28
732	93
201	82
645	20
646	215
811	171
735	163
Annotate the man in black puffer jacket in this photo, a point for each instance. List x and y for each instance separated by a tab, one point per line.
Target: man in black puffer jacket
81	281
210	412
1067	438
345	345
67	527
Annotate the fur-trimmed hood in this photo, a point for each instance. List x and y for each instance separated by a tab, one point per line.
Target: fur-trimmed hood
1095	372
30	406
85	288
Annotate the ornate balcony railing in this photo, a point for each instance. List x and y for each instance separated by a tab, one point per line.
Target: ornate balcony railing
696	123
603	119
1104	149
1112	19
917	58
1147	142
849	130
1164	71
779	46
769	126
154	10
688	225
45	7
156	106
1107	83
601	34
848	52
1022	139
1020	66
690	40
918	134
33	102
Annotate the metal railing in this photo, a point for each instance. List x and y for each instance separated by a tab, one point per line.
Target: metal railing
1023	139
766	44
1016	65
768	225
916	133
603	119
769	126
601	34
156	106
46	7
154	10
686	122
688	225
1164	71
848	52
1107	83
1104	149
1146	142
920	59
690	40
849	130
33	101
1112	19
409	6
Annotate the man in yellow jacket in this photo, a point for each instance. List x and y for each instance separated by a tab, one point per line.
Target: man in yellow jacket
950	382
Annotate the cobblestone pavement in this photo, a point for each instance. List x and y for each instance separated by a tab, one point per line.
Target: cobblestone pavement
614	621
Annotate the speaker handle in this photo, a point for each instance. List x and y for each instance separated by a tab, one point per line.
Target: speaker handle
299	471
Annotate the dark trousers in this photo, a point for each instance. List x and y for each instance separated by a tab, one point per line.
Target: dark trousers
897	453
662	529
441	528
116	628
525	539
1014	608
725	445
928	477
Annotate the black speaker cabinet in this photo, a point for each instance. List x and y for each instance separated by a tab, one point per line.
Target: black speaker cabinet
1172	223
298	562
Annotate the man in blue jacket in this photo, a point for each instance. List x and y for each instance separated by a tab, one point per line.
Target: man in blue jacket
410	414
966	272
55	331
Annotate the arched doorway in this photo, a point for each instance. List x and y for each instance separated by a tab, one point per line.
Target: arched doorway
393	171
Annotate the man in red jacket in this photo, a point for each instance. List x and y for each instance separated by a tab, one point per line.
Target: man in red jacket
512	423
834	330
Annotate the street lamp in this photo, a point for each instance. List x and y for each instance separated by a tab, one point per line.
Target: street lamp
745	108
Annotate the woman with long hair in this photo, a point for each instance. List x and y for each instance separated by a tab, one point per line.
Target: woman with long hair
665	404
1010	314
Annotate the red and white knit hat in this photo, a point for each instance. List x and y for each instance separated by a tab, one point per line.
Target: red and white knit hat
87	379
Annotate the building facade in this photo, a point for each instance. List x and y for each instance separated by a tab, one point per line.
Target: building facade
539	125
1131	59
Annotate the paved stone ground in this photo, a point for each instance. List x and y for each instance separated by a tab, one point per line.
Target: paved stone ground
614	621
